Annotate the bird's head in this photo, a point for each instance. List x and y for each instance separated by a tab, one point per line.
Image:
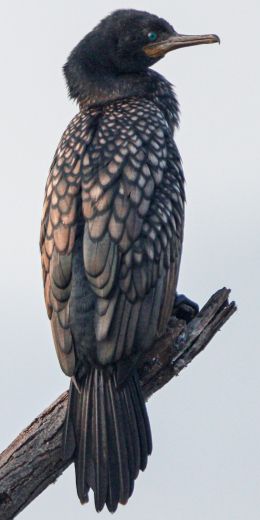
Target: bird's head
125	42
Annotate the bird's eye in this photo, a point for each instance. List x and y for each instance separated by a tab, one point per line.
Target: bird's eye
152	36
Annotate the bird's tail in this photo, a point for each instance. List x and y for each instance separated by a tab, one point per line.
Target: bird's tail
108	430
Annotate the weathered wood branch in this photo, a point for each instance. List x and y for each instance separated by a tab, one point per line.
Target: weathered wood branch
33	460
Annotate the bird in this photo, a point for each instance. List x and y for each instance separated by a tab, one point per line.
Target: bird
111	243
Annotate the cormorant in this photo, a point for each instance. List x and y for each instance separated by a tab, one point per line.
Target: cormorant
111	241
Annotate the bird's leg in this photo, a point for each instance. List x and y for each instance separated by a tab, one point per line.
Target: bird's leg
184	308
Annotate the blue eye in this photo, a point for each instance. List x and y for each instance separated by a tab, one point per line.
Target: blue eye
152	36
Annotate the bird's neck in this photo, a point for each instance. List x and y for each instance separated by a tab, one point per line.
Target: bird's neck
102	89
90	88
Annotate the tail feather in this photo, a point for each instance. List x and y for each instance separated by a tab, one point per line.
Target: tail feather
101	448
141	426
144	414
113	494
108	427
83	412
121	453
131	437
131	420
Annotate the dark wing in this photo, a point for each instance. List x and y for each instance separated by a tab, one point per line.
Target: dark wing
133	204
58	232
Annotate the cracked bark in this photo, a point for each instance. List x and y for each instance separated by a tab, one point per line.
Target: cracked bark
33	460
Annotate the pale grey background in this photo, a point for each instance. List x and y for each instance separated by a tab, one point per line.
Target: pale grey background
206	430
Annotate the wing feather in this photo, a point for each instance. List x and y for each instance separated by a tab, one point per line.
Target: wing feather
58	233
117	185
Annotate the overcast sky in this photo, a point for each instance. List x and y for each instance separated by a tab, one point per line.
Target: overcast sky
206	424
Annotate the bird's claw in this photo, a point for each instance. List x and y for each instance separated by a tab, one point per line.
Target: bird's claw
184	308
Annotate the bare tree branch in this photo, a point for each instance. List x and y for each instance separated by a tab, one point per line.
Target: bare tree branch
33	460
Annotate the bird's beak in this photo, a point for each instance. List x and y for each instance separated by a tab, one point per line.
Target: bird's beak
159	49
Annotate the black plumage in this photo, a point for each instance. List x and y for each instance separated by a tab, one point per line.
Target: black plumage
111	241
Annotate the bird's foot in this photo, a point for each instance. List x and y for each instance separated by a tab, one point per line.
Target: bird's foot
184	308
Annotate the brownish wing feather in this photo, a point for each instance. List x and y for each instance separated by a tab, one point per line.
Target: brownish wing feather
58	231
